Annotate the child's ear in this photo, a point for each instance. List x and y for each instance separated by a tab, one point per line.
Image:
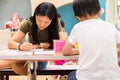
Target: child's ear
101	11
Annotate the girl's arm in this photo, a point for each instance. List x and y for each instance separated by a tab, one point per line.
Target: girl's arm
16	40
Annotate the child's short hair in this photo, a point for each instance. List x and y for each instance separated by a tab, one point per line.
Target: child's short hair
82	8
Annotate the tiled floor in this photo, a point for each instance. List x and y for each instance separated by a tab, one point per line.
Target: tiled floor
42	77
38	77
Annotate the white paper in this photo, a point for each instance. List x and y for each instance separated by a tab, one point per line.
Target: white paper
50	52
17	52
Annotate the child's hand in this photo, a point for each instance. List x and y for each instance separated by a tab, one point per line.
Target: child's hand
68	63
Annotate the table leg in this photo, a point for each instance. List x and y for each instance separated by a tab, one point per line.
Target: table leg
29	71
34	74
32	70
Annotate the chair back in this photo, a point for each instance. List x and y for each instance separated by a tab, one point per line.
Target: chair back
5	36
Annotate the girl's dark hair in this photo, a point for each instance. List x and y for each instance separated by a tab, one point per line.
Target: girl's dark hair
82	8
62	23
49	10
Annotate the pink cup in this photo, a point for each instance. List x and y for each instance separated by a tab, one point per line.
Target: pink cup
58	45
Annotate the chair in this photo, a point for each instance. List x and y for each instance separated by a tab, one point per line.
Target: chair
5	36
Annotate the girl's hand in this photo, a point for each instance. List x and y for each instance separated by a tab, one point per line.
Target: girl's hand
45	45
36	46
26	46
42	45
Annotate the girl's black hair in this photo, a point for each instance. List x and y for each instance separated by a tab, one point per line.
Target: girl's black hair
82	8
49	10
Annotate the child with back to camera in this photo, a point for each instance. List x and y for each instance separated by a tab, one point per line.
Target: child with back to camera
97	40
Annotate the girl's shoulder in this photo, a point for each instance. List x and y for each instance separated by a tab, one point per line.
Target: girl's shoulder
26	21
25	25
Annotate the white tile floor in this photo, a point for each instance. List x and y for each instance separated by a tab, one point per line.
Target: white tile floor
38	77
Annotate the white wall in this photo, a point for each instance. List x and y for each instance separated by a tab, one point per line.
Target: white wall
110	11
8	7
57	3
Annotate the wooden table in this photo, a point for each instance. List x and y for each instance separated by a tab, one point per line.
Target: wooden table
8	54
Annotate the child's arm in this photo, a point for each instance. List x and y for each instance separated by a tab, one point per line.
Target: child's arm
69	50
118	49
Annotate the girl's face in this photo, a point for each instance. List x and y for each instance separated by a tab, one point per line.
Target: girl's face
43	22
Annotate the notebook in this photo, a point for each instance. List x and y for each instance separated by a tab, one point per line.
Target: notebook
5	36
44	52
